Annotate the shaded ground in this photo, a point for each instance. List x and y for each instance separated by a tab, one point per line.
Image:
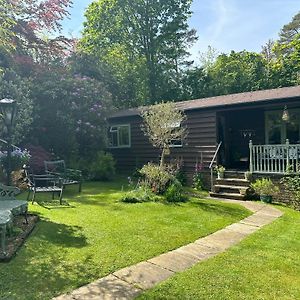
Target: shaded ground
19	233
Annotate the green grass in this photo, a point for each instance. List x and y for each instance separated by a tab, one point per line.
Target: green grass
264	266
96	235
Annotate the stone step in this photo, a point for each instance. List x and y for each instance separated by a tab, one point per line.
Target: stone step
234	196
233	182
231	187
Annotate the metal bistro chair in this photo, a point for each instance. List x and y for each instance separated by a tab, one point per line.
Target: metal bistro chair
44	184
69	176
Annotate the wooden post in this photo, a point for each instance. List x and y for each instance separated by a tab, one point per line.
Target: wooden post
287	143
251	156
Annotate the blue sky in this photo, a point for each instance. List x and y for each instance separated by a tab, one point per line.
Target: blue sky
224	24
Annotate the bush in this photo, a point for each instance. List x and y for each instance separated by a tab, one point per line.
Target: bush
174	193
139	195
38	156
292	185
102	167
156	177
265	186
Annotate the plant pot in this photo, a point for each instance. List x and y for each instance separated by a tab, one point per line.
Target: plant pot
266	198
220	175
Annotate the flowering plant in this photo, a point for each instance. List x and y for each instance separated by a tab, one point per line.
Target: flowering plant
18	158
197	178
220	169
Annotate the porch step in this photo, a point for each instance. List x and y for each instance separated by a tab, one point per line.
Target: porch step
233	181
231	188
233	196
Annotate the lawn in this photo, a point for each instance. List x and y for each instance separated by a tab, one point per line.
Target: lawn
266	265
96	235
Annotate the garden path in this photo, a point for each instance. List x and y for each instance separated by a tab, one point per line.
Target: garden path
131	281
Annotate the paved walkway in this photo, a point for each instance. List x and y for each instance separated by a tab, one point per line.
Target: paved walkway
130	282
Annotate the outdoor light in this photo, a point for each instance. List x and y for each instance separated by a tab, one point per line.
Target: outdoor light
285	114
7	115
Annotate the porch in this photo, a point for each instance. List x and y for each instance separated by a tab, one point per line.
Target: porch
264	140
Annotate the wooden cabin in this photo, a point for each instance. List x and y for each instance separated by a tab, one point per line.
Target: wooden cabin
255	131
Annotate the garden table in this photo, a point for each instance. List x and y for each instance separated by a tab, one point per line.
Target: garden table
5	220
9	207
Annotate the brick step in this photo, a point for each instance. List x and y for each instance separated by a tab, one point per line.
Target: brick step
233	196
233	182
231	187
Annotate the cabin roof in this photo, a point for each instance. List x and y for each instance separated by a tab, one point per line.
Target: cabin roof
226	100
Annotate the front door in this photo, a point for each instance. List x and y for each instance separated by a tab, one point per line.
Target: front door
277	130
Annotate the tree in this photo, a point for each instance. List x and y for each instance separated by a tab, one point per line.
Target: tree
14	87
70	113
143	41
238	72
162	124
25	23
290	30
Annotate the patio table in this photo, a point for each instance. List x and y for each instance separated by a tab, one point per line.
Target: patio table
5	219
9	207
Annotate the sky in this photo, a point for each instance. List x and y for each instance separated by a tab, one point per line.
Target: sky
223	24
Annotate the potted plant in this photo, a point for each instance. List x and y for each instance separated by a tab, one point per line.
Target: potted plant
220	171
265	188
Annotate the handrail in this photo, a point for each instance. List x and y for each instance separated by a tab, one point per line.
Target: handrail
211	164
215	155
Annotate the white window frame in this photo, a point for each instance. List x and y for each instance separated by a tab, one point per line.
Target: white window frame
118	126
176	125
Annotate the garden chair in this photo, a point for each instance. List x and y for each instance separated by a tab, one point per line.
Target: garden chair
44	184
69	176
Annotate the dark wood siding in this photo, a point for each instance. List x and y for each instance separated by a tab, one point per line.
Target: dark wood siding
200	142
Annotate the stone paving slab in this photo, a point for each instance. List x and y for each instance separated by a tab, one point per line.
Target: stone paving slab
106	288
270	211
242	228
222	239
253	206
109	287
200	252
174	261
258	220
144	275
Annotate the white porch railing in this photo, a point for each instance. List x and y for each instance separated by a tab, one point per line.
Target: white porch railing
274	159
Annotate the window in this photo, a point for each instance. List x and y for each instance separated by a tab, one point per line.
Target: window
119	136
277	131
176	142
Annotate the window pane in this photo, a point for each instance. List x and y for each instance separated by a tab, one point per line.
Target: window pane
175	143
293	127
124	136
114	139
274	131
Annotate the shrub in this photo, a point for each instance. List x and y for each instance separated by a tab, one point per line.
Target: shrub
18	159
157	178
139	195
265	186
38	156
102	167
292	185
174	193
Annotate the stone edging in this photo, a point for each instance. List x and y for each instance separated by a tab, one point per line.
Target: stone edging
131	281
